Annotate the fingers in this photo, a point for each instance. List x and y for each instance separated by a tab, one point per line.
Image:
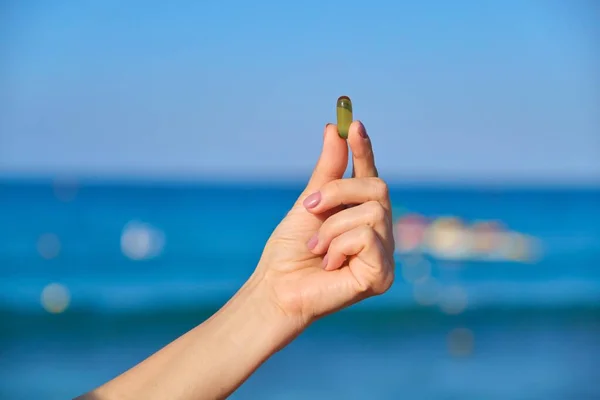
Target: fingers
333	160
370	264
348	192
363	160
371	214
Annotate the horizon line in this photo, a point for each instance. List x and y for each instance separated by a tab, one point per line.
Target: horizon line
285	180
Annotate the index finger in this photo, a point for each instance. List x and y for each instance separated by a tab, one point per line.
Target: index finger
343	192
363	160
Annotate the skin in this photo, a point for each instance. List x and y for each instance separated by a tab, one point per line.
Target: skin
333	249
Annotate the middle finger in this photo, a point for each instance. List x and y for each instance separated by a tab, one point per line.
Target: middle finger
363	159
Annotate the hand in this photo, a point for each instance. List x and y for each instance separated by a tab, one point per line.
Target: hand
322	257
335	247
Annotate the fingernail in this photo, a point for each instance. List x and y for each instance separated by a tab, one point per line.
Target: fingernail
325	259
312	243
363	132
312	200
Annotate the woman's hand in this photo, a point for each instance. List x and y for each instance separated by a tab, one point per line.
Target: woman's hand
335	247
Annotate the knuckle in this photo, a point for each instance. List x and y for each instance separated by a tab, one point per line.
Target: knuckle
367	235
378	283
335	243
384	284
380	188
333	189
385	280
376	212
364	287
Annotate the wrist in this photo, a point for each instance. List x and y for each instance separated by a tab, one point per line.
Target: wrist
257	323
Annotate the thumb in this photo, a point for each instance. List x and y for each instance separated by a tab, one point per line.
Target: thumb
332	163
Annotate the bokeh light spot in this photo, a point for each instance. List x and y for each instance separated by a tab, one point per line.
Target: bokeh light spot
518	247
486	237
140	241
48	246
409	232
55	298
448	238
453	300
461	342
415	269
426	292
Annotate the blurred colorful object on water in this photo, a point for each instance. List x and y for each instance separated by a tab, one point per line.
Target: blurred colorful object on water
451	238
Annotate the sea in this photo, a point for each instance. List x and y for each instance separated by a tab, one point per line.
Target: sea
96	276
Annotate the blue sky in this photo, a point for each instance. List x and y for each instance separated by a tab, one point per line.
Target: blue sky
462	90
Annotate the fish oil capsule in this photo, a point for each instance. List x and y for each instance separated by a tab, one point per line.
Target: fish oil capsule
344	115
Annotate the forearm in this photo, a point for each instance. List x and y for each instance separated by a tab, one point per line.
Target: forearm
211	360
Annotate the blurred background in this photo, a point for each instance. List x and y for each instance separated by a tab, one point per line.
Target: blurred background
148	149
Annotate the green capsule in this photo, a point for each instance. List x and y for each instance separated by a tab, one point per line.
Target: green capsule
344	115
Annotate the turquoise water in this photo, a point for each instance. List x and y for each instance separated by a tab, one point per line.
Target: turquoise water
136	265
